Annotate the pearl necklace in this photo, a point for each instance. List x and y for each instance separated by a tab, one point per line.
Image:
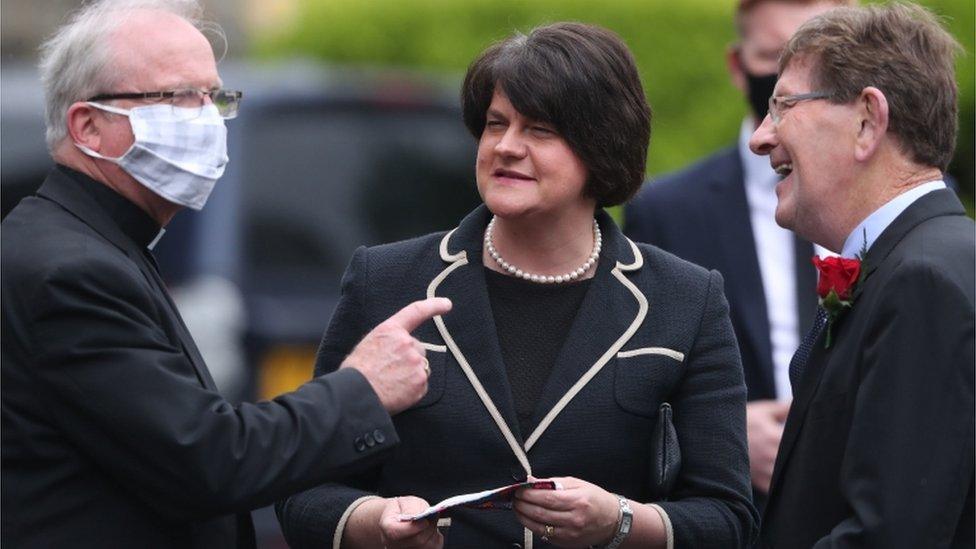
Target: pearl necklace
544	279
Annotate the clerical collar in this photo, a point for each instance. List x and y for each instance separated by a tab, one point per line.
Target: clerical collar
131	219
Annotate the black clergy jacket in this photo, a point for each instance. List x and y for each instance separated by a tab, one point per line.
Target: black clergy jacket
651	329
113	433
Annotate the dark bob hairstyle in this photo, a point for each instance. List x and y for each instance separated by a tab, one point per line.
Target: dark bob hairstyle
581	79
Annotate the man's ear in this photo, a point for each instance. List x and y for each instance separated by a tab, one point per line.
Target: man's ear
733	62
872	109
82	126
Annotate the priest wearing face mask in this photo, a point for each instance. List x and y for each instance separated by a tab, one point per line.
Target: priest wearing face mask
113	432
719	213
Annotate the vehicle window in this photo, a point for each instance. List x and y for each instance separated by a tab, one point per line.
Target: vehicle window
318	184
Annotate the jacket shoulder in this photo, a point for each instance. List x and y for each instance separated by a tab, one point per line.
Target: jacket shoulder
689	182
405	254
397	273
40	239
940	248
663	269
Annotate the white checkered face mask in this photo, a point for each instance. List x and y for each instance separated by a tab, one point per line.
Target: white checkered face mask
179	157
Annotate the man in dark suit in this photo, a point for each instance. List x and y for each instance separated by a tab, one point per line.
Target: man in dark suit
719	213
113	433
878	448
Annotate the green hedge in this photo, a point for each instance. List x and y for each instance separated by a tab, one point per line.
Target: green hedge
679	47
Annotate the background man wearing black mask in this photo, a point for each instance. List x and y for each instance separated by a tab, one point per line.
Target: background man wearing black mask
719	213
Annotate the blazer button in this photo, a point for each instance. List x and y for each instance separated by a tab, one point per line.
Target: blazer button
360	444
368	437
379	437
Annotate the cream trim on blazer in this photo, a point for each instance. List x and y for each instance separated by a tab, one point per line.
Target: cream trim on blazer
662	351
460	259
341	525
668	529
602	361
433	347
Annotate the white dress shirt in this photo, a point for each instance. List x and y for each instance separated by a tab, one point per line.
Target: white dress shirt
868	230
776	254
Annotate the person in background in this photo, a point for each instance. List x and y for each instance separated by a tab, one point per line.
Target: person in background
568	345
878	449
718	213
113	431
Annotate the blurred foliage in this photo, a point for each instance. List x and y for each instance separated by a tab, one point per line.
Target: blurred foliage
679	47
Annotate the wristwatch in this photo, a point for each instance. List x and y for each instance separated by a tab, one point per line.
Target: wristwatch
623	527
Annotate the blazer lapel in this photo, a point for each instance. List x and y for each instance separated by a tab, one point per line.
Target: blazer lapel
602	318
816	364
472	327
933	204
737	246
469	330
609	315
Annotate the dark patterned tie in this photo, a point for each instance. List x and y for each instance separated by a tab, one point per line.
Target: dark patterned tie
802	354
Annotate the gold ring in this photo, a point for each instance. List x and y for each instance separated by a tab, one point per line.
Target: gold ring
426	366
550	531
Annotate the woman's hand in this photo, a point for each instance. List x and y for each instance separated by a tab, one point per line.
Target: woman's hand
397	534
579	515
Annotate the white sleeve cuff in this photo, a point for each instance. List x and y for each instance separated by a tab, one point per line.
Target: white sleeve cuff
668	530
341	526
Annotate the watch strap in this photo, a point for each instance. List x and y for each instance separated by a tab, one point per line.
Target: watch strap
624	525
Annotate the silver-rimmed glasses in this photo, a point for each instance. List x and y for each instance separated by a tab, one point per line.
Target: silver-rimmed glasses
190	101
778	104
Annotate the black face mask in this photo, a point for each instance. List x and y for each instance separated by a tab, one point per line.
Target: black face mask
760	88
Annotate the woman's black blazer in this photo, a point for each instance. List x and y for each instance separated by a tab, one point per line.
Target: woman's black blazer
652	328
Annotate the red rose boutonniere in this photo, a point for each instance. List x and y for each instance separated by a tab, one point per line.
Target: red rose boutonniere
838	277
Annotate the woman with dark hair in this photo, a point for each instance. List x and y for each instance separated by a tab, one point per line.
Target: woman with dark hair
571	352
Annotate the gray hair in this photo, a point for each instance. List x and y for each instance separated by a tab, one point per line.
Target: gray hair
76	62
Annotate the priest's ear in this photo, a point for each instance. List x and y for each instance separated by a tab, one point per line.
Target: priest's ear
82	127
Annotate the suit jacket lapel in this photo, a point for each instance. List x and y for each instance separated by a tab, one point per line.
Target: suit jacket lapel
62	189
151	271
470	323
812	373
933	204
737	245
597	333
605	313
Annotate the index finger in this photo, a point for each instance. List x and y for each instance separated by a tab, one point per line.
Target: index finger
418	312
552	500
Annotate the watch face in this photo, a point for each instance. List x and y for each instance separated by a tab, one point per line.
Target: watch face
626	521
626	517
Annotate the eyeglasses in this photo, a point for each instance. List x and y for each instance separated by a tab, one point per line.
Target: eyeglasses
189	101
779	104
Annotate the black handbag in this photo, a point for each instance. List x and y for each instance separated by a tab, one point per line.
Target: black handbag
665	455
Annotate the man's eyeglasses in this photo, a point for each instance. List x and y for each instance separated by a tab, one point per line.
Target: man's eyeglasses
779	104
190	101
